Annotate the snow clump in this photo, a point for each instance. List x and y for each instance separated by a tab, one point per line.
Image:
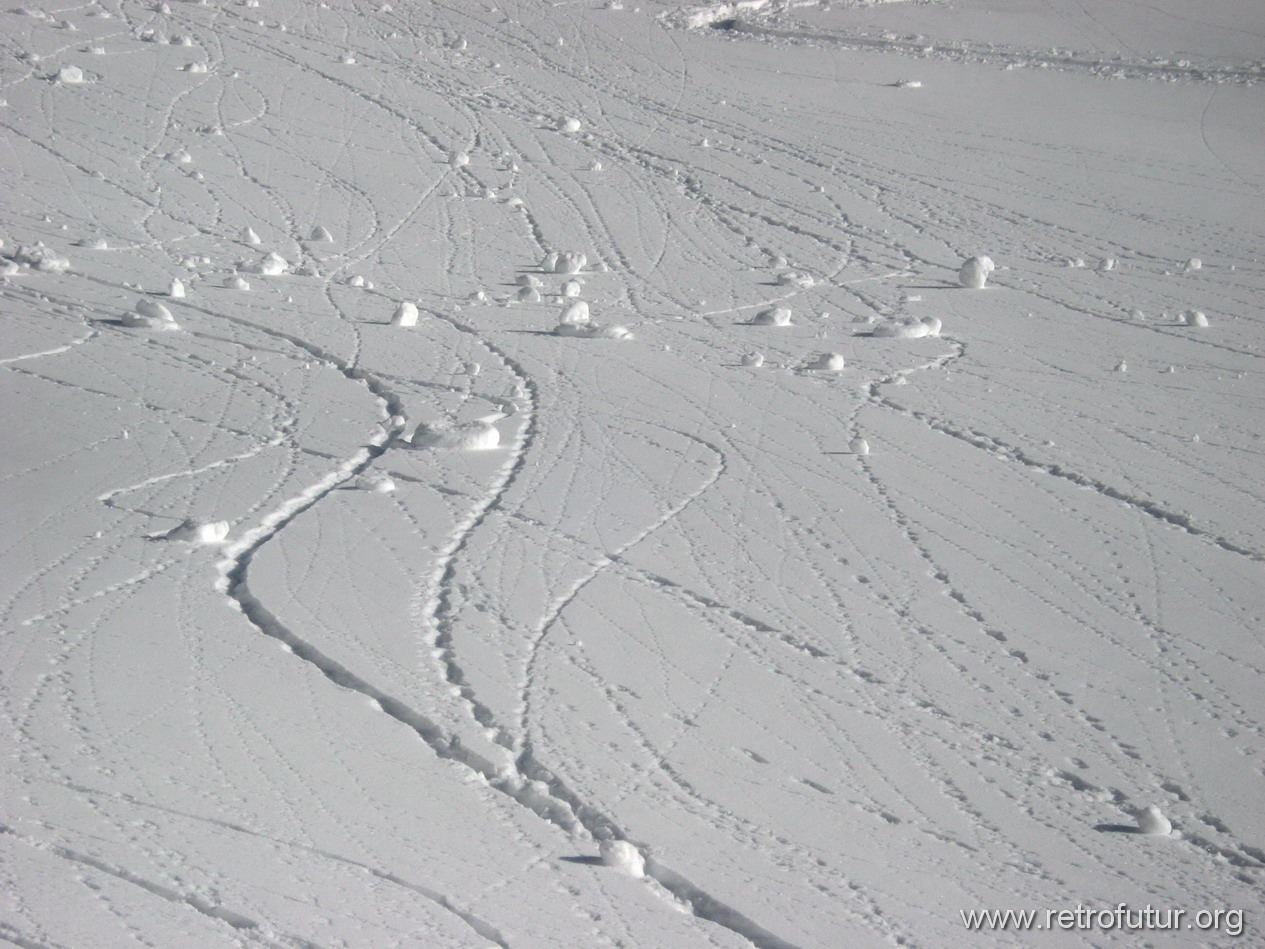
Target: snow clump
753	359
795	278
405	314
777	316
479	435
213	532
1193	264
859	446
272	265
72	75
176	289
249	236
459	159
901	328
1152	821
975	271
320	235
1194	318
528	295
575	313
569	262
39	257
592	331
622	856
568	124
236	282
150	315
571	288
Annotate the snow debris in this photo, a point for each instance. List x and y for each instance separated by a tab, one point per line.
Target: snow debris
1152	821
901	328
213	532
753	359
777	316
568	124
569	262
478	435
592	331
458	159
859	446
575	312
975	271
795	278
622	856
71	75
320	235
571	288
405	314
236	282
176	289
39	257
272	265
249	236
528	295
826	362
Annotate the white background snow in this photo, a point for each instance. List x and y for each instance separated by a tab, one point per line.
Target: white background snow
274	674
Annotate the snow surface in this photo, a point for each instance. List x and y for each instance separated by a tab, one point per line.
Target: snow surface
829	692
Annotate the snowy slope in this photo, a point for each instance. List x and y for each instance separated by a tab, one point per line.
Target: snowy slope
322	631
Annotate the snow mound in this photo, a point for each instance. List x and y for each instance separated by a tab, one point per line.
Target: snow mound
249	236
405	314
39	257
827	362
236	282
479	435
213	532
72	75
272	265
622	856
902	328
320	235
753	359
575	312
592	331
795	278
859	446
1152	821
777	316
975	271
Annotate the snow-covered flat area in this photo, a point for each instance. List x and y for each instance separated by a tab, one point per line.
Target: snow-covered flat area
809	586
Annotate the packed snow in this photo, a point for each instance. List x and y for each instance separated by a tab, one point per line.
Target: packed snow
635	613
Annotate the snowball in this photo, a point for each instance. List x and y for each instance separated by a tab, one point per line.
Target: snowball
70	74
569	262
859	446
1122	366
595	165
236	282
1151	821
194	67
272	265
901	329
405	314
152	309
568	124
753	359
143	322
355	280
459	159
479	435
528	295
622	856
320	235
828	362
549	261
1108	263
249	236
777	316
1193	264
975	271
176	290
1195	318
571	288
576	312
933	325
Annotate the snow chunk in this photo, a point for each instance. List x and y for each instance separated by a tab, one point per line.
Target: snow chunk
859	446
41	258
71	75
933	325
576	313
377	483
753	359
827	362
1193	264
1108	263
214	532
777	316
176	290
1194	318
569	262
236	282
571	288
592	331
795	278
904	328
405	314
568	124
1152	821
909	84
458	159
272	265
150	315
479	435
622	856
528	295
95	243
194	67
975	271
249	236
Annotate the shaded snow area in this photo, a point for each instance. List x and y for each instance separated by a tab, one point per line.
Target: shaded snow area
551	476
